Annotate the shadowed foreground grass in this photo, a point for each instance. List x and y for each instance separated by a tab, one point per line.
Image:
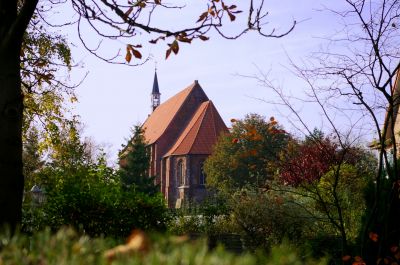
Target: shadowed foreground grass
67	247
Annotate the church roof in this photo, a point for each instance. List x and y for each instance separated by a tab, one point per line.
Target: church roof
163	115
201	133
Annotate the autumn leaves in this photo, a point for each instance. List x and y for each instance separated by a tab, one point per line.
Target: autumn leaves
216	11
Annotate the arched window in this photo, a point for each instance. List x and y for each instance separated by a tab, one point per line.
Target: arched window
202	177
180	173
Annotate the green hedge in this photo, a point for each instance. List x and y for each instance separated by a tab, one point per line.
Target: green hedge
67	247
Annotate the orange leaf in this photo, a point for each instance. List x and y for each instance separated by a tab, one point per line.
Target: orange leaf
373	236
141	4
128	56
155	40
231	16
202	17
158	2
253	152
203	38
127	13
168	53
137	54
184	39
175	47
137	242
346	258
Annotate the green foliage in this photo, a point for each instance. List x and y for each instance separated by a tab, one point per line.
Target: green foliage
33	160
67	247
265	219
91	199
210	217
134	164
343	190
335	204
248	156
82	191
45	55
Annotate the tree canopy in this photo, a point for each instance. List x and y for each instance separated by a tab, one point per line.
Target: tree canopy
248	156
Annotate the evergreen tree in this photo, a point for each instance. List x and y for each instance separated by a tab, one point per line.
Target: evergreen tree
134	160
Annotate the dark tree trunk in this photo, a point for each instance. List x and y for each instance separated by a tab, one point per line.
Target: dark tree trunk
11	107
14	20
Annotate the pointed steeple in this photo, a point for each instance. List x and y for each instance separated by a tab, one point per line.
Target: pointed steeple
155	93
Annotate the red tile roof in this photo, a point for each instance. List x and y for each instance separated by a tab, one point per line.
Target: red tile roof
162	116
201	133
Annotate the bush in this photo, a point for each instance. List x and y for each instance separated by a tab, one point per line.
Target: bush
265	219
94	202
211	217
66	247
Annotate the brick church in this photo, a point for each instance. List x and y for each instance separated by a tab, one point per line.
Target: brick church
180	133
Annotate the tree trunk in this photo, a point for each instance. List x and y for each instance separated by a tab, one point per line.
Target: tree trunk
14	19
11	109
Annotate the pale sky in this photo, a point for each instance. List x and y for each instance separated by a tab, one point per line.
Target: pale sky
113	98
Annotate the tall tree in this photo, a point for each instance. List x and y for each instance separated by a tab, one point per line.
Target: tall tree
134	164
354	76
364	74
110	19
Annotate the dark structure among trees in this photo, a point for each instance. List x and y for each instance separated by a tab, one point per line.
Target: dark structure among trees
180	133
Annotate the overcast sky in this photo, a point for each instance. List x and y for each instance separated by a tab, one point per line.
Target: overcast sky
113	98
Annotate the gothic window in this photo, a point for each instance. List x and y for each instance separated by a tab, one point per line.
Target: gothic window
180	173
202	178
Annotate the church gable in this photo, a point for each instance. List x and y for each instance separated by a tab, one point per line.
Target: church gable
201	133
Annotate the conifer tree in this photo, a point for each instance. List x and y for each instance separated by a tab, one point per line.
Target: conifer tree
134	160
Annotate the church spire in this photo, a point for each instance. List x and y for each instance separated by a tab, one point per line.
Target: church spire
155	94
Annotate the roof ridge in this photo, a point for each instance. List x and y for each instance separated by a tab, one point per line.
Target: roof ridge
213	118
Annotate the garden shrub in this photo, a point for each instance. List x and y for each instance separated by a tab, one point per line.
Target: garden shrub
67	247
265	219
94	203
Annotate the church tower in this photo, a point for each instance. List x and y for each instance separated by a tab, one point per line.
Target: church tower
155	94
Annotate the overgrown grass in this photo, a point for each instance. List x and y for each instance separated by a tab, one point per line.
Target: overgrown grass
67	247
